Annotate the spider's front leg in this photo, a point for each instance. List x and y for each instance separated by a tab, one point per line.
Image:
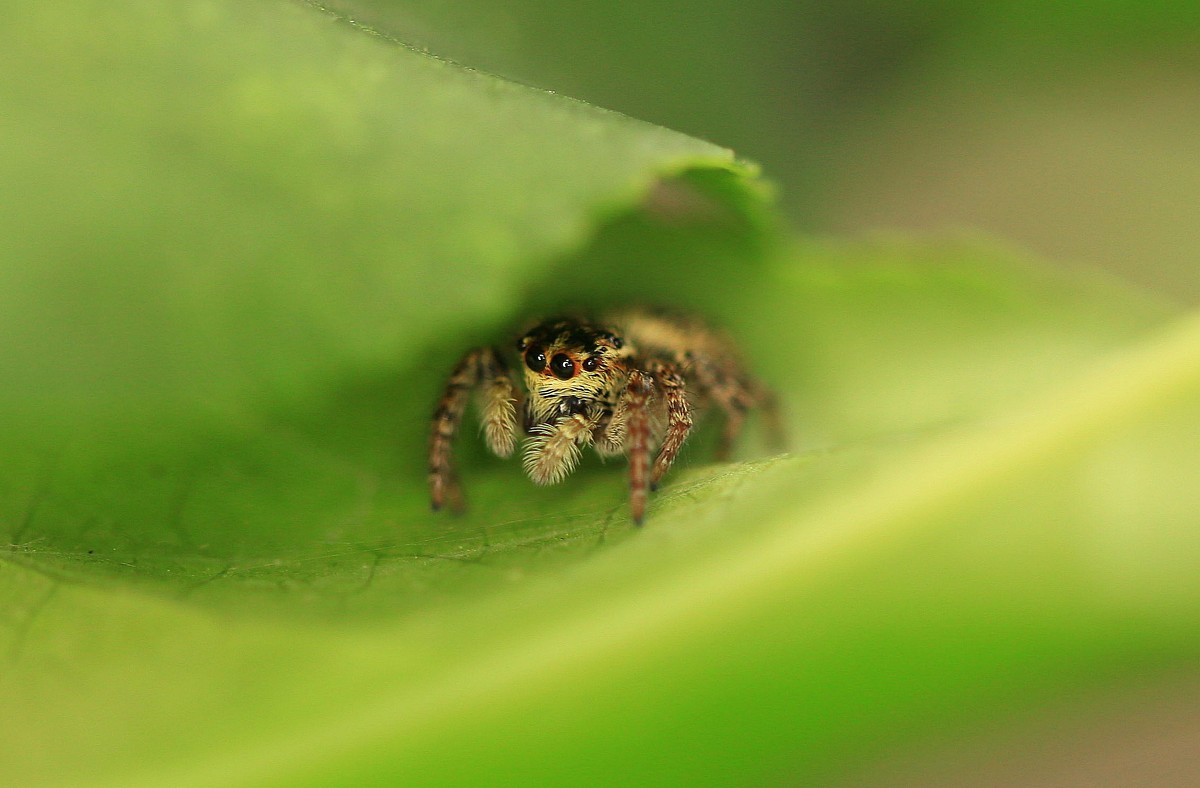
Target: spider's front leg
499	418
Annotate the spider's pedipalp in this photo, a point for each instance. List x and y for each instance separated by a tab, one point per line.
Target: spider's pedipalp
499	407
552	451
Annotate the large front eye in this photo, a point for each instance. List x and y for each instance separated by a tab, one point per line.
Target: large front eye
562	366
535	358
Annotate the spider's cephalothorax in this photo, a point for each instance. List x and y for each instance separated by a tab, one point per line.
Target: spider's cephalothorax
626	385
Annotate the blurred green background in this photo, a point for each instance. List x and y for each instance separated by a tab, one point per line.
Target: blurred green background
1067	128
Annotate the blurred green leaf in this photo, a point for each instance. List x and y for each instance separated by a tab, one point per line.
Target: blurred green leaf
247	242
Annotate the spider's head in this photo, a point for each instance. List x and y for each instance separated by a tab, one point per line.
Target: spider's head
570	366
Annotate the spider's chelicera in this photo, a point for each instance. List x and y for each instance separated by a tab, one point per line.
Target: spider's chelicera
628	385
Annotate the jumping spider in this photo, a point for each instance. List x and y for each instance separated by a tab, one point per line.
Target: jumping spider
626	385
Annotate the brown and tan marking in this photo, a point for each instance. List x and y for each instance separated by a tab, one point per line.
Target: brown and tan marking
629	384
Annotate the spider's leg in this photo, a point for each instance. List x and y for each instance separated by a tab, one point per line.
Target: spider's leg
637	425
499	405
735	419
612	428
734	394
609	435
679	418
552	450
443	482
723	388
765	399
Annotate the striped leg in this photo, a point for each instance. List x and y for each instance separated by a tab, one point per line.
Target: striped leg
730	395
735	418
679	418
776	433
637	398
499	420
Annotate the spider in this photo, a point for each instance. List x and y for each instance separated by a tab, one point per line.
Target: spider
627	384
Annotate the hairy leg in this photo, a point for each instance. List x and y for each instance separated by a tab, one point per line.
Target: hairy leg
679	418
637	399
610	433
776	434
443	483
720	383
499	417
499	406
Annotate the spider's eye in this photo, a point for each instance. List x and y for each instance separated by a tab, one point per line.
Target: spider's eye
591	363
535	358
562	367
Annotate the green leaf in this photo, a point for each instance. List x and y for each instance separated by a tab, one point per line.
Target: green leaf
247	243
